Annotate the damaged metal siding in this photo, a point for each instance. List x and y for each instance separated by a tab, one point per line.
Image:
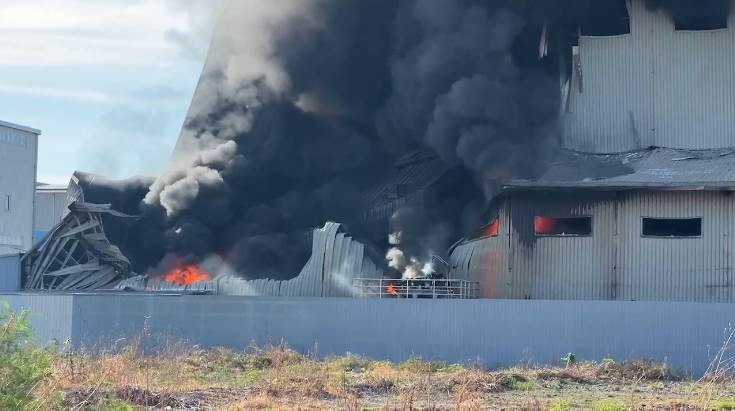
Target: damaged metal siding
485	261
655	86
335	260
616	262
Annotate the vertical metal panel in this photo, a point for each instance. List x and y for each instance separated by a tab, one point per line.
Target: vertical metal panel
50	206
17	179
675	269
562	267
50	315
656	86
336	259
500	333
10	273
616	262
485	261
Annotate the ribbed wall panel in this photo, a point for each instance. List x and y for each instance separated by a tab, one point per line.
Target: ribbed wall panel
676	269
485	261
656	86
335	260
562	267
18	180
616	262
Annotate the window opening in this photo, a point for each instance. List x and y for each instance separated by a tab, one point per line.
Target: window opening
700	15
563	227
672	227
606	18
490	230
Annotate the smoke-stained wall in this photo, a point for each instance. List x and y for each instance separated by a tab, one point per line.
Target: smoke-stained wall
616	262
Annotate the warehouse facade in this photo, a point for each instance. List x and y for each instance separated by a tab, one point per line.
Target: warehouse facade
638	204
18	153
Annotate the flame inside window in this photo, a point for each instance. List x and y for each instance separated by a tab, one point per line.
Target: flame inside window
562	227
491	230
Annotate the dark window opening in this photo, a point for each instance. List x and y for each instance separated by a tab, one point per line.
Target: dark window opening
690	15
490	230
672	227
606	18
700	23
563	227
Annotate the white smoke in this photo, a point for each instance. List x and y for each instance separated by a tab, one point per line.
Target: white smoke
410	268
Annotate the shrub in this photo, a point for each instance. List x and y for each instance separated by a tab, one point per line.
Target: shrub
23	365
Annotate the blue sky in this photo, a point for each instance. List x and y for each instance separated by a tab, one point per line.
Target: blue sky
107	81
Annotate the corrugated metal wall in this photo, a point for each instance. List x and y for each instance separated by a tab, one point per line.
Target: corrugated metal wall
336	259
678	269
498	333
10	273
616	262
655	86
18	180
50	209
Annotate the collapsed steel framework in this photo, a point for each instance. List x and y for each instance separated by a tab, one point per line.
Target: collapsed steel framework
76	254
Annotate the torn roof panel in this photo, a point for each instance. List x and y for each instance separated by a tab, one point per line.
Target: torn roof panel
661	168
413	172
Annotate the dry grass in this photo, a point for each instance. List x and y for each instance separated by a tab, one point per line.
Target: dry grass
276	377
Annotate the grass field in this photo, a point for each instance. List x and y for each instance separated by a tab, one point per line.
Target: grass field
276	377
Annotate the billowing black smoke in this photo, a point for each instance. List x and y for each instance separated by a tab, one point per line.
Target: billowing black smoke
346	88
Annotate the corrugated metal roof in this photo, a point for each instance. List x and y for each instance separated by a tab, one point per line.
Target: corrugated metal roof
21	128
413	172
651	168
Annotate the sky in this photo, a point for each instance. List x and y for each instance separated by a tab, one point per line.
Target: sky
108	82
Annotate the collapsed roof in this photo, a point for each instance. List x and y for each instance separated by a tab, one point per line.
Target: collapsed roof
76	254
336	260
86	251
652	168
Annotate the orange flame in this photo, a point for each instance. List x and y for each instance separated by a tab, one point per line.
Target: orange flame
545	225
186	275
492	229
392	289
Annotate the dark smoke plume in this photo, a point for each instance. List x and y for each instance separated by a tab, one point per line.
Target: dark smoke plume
292	122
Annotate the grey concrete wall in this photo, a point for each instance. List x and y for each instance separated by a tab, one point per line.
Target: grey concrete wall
496	332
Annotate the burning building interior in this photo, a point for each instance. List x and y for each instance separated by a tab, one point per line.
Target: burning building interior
533	149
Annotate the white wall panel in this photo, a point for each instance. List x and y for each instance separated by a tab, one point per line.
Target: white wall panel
18	151
654	87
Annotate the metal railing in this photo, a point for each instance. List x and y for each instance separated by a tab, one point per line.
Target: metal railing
417	288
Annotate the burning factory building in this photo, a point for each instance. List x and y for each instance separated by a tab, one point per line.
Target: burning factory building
500	149
637	203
